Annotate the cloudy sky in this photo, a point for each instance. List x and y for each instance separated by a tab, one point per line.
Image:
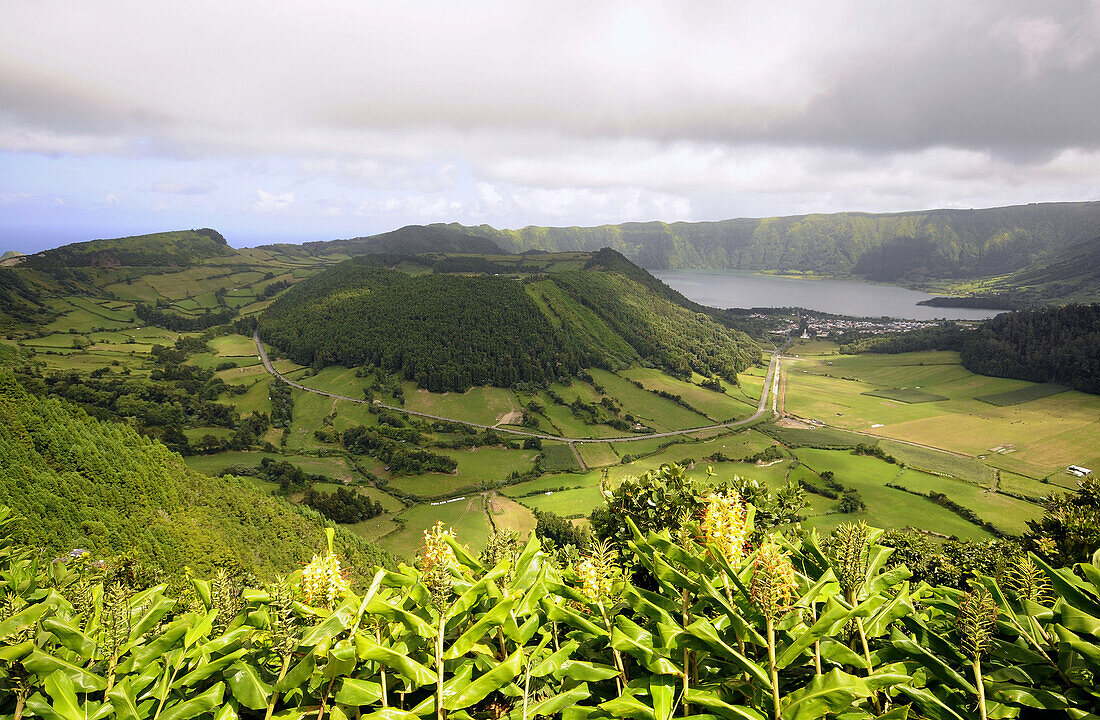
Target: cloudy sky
294	121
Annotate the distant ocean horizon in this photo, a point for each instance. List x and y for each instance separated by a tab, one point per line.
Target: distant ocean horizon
742	289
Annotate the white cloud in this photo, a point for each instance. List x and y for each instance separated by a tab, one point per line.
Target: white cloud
267	202
178	188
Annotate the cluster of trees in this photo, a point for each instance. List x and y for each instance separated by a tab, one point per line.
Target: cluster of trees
282	403
161	317
391	447
342	506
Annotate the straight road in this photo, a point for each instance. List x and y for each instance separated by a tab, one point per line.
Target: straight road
762	408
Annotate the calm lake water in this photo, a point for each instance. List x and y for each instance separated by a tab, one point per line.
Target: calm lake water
731	288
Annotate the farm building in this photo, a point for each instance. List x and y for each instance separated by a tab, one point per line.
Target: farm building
1079	471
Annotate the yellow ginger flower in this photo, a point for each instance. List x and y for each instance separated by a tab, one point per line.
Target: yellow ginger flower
597	572
322	581
774	582
724	525
437	560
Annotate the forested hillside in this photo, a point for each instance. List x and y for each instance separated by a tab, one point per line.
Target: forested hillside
1058	344
82	483
451	332
896	246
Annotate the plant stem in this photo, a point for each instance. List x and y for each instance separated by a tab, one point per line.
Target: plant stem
622	679
439	666
274	693
686	615
382	668
980	685
772	668
168	689
817	643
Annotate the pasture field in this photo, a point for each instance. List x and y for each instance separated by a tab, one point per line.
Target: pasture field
335	466
198	433
566	503
388	502
565	424
485	405
233	346
921	458
886	507
819	437
338	380
551	482
598	454
718	406
751	385
652	409
507	514
255	399
1046	434
310	411
557	457
1021	485
477	466
906	395
1005	513
1023	395
467	517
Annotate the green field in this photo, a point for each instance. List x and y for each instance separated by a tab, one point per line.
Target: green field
567	503
906	395
887	507
477	467
467	517
718	407
598	454
557	457
651	409
937	462
1023	395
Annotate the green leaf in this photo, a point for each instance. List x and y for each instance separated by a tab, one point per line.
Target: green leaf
493	680
195	706
247	688
494	618
710	700
560	613
662	692
551	706
298	675
832	692
415	673
931	705
706	632
337	622
125	704
1067	590
629	638
61	691
43	664
208	668
200	629
627	706
1029	697
354	691
833	614
584	671
22	620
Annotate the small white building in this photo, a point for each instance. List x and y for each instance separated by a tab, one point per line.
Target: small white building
1079	471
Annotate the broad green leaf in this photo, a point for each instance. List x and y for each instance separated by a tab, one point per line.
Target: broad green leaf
125	704
22	620
43	664
208	668
487	683
551	706
833	692
628	706
200	629
627	637
248	688
195	706
383	608
474	634
710	700
63	696
1029	697
583	671
298	674
390	714
149	619
662	693
705	631
833	614
1068	590
337	622
415	673
560	613
354	691
554	661
1071	619
932	706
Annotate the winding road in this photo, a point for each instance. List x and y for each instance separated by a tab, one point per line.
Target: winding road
770	383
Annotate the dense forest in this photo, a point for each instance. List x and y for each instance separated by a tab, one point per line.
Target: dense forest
83	483
1056	344
445	332
1046	345
168	249
449	332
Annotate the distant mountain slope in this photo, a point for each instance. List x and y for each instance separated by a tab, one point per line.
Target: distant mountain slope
449	332
179	248
82	483
896	246
411	239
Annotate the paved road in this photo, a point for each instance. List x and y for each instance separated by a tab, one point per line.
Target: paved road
762	408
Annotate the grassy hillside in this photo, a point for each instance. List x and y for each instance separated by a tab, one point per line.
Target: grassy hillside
451	332
178	248
82	483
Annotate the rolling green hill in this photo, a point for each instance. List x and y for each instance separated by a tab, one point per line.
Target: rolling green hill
449	332
82	483
180	248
